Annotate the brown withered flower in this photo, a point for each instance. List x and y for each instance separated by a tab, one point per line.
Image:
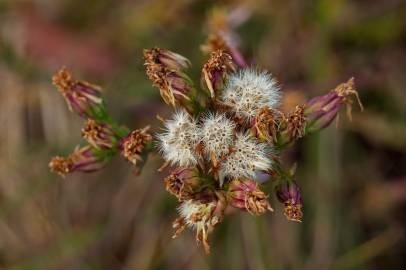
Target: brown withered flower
201	214
83	159
266	124
215	70
296	123
346	91
82	97
61	165
290	195
164	70
322	110
245	194
134	143
183	182
99	135
166	58
213	43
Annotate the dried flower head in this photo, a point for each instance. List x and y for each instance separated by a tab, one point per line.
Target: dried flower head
134	143
289	194
215	70
61	165
99	135
247	158
183	183
245	194
214	43
83	159
296	123
248	91
266	124
322	110
347	91
163	68
217	135
166	58
179	141
81	97
201	216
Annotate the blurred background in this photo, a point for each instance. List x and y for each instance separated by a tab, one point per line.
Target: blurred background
353	177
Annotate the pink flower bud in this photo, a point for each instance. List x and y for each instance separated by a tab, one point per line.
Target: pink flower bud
99	135
84	159
163	68
215	71
245	194
183	183
134	143
322	110
166	58
81	97
289	194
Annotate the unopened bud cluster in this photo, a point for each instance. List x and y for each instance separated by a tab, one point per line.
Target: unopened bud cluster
103	137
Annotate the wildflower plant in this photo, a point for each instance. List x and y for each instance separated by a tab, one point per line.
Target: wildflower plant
103	137
221	141
236	133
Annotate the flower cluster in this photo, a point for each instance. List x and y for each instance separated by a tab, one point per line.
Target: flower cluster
223	143
215	154
221	147
104	138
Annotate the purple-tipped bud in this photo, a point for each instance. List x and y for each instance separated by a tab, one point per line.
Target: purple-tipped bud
81	97
84	159
166	58
183	183
245	194
289	194
321	111
164	70
99	135
134	143
215	70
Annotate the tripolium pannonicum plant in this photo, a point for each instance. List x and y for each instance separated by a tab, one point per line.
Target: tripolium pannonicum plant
222	142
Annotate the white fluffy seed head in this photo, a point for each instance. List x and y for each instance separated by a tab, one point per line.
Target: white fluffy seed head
247	158
249	90
197	215
179	141
217	134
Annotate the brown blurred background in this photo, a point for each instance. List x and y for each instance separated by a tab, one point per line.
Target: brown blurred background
353	177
